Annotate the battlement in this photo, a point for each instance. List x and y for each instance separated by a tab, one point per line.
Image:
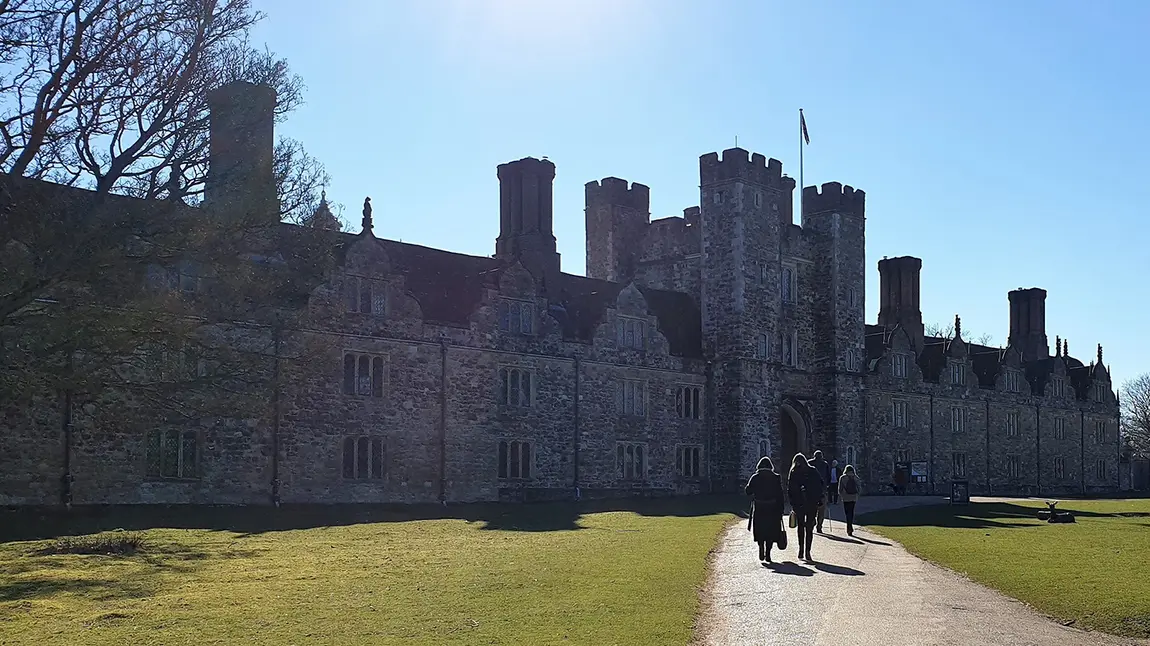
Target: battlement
615	191
737	164
905	263
1026	294
833	197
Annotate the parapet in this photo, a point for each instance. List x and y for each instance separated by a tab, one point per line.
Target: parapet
527	165
833	197
738	164
615	191
902	263
1025	294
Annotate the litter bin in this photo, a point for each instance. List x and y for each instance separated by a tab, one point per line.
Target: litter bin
959	492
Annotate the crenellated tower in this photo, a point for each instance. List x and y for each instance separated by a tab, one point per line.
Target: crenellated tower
834	221
617	216
742	202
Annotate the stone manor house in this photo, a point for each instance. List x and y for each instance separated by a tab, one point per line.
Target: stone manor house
693	346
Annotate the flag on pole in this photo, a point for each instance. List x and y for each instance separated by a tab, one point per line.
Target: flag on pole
803	123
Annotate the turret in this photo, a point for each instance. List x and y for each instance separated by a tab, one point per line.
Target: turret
1028	323
617	216
240	146
525	216
899	296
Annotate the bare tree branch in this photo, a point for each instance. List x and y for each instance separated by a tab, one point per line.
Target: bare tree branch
1135	400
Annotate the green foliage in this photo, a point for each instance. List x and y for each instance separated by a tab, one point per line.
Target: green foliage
1090	574
598	573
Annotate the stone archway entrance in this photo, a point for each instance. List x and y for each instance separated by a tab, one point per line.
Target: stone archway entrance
794	432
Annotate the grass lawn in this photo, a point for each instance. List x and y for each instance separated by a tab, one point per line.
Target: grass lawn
1093	574
624	572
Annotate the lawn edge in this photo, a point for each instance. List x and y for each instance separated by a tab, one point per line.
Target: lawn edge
1073	625
700	627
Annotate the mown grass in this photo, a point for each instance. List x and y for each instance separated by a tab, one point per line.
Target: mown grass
626	573
1092	574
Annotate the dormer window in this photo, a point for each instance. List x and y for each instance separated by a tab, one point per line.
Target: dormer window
898	365
631	333
1013	383
362	296
958	373
516	317
1059	387
1099	392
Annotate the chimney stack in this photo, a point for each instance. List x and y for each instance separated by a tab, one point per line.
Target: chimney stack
899	296
525	216
1028	323
241	142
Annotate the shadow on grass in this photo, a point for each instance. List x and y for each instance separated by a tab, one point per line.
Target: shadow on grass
23	524
977	515
96	589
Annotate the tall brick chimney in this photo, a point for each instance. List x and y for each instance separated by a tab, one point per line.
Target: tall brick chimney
899	296
241	141
525	216
1028	323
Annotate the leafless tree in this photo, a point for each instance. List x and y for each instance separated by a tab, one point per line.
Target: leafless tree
947	331
111	96
1135	398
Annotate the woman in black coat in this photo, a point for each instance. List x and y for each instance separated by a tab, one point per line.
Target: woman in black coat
805	488
766	488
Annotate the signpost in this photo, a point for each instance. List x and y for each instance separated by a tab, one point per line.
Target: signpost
959	492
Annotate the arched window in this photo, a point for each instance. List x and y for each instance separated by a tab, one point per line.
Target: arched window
851	455
764	448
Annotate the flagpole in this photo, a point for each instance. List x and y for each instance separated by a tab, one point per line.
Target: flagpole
801	212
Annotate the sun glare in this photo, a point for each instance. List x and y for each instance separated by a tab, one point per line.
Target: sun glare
522	28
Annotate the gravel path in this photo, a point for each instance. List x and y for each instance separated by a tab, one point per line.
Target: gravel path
863	591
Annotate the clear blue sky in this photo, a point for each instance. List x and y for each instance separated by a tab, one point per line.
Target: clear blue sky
1003	143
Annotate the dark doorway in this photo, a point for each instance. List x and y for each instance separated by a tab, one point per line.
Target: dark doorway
793	434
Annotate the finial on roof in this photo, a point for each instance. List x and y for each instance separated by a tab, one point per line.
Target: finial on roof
1058	346
323	197
1099	354
367	225
957	327
1066	348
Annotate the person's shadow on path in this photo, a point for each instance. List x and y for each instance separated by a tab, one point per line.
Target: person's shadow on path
838	569
841	539
789	567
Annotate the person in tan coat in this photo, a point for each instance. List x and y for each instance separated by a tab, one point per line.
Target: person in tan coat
849	489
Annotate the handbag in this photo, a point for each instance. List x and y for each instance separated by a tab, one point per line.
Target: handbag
793	521
782	542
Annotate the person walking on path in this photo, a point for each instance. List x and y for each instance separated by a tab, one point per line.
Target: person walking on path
766	489
848	489
824	470
833	487
806	489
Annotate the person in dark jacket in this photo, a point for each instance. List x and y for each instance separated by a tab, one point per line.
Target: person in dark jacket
766	489
849	489
819	464
806	489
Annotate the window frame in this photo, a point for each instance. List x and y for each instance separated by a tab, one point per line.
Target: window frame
900	365
957	373
631	333
373	451
789	284
899	413
1013	466
1060	428
957	419
505	374
1099	432
638	397
958	464
1102	470
518	310
1012	422
511	465
1059	468
362	379
156	443
689	463
689	401
633	454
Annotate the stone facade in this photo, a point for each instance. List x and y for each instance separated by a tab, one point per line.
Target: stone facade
693	346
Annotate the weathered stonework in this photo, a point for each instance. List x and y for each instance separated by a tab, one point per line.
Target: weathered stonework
699	302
